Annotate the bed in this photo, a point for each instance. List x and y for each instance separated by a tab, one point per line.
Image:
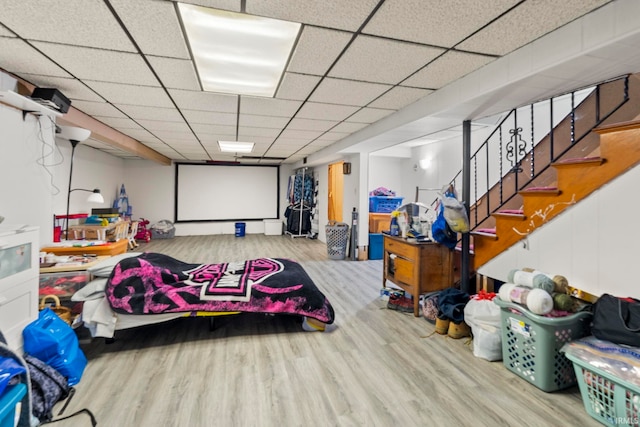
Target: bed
137	289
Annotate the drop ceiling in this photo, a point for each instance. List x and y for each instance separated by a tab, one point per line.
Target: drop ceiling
126	64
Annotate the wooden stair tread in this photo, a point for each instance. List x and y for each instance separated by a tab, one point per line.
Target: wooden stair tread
539	191
510	214
485	232
580	161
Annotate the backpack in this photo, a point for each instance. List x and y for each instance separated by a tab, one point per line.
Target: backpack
48	387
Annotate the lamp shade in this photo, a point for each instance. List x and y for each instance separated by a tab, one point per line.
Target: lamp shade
72	133
95	197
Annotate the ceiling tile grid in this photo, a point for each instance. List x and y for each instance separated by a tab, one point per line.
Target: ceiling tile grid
355	62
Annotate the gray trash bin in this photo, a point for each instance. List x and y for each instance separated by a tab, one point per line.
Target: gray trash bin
337	239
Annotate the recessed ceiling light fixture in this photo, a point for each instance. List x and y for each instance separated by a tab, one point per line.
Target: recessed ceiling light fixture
235	146
238	53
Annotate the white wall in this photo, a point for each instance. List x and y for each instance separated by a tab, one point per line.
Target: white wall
26	191
151	190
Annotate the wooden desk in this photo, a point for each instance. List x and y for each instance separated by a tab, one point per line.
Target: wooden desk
81	267
110	249
417	268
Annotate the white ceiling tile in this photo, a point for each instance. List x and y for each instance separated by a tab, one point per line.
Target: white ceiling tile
317	49
210	117
347	92
71	22
175	137
369	115
302	134
118	123
449	67
17	56
280	152
272	122
246	131
288	143
349	127
214	138
142	136
103	109
175	73
344	15
526	23
205	101
379	60
311	124
71	88
154	26
99	64
268	106
131	95
399	97
4	32
139	112
297	86
434	22
318	111
232	5
161	125
333	136
207	129
259	140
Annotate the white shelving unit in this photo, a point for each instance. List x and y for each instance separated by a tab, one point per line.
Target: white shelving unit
27	105
18	280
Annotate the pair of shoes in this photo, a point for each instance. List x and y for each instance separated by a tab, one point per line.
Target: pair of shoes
458	330
442	325
400	303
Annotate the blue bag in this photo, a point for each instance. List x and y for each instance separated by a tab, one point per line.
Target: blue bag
9	370
441	231
52	340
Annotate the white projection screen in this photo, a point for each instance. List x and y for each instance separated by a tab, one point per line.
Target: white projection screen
206	192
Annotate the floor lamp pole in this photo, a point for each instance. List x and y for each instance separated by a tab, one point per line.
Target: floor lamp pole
73	150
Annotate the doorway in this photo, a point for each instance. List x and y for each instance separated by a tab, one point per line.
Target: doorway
336	191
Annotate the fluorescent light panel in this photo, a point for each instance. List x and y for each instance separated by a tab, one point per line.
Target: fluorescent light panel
235	146
238	53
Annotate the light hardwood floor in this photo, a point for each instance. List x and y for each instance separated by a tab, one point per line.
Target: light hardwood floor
372	367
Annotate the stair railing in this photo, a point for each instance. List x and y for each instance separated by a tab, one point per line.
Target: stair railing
513	156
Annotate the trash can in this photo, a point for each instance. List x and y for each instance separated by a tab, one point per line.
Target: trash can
337	238
240	227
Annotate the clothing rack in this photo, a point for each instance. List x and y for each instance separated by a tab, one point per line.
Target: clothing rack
300	204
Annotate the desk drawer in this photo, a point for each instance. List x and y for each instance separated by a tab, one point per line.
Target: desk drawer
402	249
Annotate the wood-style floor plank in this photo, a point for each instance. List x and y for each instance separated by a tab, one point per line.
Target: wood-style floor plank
372	367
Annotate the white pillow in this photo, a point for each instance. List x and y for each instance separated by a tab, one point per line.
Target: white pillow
104	268
92	290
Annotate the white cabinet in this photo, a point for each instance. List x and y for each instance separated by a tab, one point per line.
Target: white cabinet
19	268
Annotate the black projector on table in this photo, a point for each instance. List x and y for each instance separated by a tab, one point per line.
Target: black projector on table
60	101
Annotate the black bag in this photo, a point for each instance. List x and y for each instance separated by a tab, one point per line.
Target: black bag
617	320
48	387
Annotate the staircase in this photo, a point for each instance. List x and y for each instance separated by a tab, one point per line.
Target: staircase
603	154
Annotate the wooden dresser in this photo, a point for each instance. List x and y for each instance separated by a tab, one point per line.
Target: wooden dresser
417	268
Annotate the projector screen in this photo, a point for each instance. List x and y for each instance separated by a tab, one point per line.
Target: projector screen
207	192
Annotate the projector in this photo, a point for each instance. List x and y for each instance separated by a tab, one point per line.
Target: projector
51	98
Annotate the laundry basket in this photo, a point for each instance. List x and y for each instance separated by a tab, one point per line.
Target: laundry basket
531	345
337	238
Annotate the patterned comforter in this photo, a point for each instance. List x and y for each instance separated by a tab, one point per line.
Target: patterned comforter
154	283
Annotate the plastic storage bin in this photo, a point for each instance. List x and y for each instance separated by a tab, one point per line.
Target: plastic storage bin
8	401
384	204
375	246
337	238
609	400
531	345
